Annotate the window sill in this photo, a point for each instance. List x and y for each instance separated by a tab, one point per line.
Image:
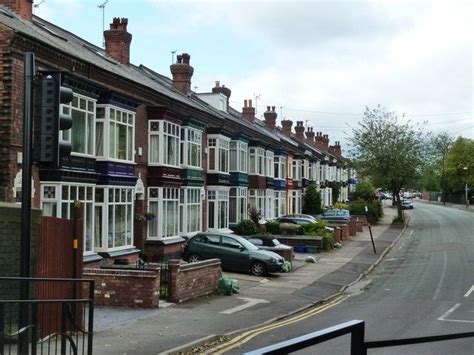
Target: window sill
166	240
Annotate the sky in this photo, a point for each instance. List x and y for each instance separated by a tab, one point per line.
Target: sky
317	62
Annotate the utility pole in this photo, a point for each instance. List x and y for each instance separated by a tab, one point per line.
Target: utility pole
466	188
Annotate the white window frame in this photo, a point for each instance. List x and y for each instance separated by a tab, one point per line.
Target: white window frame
238	154
163	130
238	198
269	171
257	161
190	200
89	109
269	203
164	226
191	138
280	167
127	120
219	145
257	199
62	206
279	203
219	197
296	169
296	197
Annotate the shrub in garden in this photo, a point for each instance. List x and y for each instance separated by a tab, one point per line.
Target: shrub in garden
328	242
312	201
247	227
318	228
375	210
273	227
341	206
289	228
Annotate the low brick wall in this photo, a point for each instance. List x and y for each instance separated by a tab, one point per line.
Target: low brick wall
344	231
360	226
193	280
287	254
294	240
125	288
352	226
361	218
337	234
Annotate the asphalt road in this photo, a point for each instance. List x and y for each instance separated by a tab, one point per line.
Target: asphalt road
423	287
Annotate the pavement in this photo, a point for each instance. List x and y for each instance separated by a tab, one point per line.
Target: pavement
176	328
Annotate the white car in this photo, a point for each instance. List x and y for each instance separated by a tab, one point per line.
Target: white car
407	204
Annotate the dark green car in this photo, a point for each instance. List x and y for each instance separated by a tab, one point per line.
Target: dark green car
236	253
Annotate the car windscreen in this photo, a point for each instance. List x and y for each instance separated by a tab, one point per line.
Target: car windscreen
247	244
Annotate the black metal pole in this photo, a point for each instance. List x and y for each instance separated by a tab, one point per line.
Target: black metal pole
370	229
29	72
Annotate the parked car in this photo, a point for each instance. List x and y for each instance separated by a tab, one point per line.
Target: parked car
407	204
235	252
267	243
296	220
335	214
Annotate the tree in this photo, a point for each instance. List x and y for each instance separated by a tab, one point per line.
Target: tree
364	190
387	151
441	144
312	201
460	156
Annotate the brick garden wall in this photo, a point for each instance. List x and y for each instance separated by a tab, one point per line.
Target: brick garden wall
10	240
125	288
194	280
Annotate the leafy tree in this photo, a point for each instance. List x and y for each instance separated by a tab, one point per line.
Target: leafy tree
387	151
441	145
460	156
364	190
312	203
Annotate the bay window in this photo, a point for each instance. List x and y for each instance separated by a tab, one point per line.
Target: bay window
269	203
257	161
280	167
218	208
163	146
191	147
117	210
58	201
296	169
163	202
280	203
115	133
218	154
269	164
190	210
238	156
296	201
237	204
82	134
257	199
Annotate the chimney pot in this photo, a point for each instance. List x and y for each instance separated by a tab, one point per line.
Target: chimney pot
250	103
245	103
273	108
248	112
268	108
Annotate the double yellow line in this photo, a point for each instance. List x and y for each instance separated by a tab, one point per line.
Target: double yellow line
248	335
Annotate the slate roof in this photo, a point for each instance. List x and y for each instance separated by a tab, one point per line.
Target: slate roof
72	45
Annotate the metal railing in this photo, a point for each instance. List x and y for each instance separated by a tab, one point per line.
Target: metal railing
358	344
60	317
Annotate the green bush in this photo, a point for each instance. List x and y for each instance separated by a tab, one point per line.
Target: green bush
273	227
312	201
341	206
317	229
289	229
375	211
247	227
363	191
328	242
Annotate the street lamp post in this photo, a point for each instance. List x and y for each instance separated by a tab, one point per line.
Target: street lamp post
465	186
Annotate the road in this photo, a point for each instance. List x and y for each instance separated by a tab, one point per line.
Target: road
424	286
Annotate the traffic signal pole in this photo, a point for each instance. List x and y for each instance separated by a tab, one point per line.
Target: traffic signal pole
25	243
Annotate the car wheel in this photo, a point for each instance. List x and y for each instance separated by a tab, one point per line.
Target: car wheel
258	268
193	258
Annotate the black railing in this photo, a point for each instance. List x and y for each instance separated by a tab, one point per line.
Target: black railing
61	316
358	345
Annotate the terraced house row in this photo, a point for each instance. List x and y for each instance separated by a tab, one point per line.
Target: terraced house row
151	160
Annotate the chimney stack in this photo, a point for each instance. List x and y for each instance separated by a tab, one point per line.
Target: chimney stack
286	127
326	141
117	40
218	89
248	112
270	118
310	135
319	140
24	8
182	73
336	148
299	129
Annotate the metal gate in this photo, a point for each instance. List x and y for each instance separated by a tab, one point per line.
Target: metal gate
56	325
165	281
